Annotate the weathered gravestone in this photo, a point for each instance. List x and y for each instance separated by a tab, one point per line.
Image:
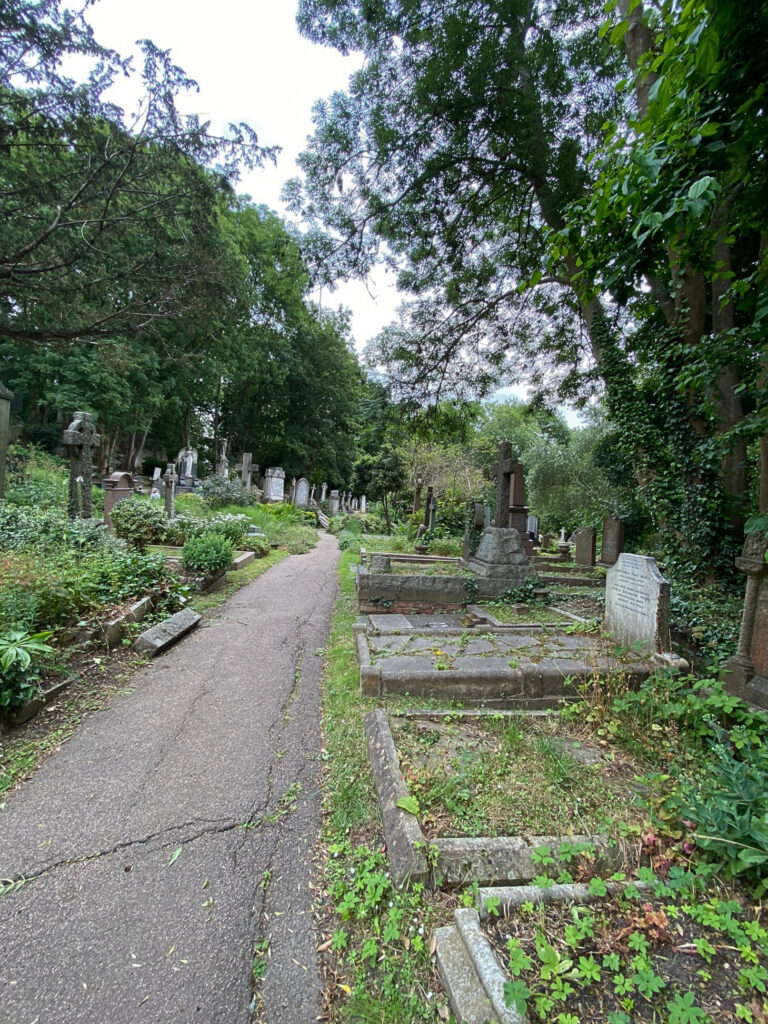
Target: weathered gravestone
117	488
80	442
5	419
586	541
746	673
532	528
427	505
323	491
333	503
511	510
637	604
417	493
613	540
222	466
473	532
363	504
274	484
171	479
246	470
302	493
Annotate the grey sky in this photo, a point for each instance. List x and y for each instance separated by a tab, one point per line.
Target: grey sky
251	65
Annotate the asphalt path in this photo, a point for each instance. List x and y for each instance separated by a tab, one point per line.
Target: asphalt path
175	832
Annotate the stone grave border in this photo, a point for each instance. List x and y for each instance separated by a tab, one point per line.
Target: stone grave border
112	632
491	687
239	560
452	862
471	974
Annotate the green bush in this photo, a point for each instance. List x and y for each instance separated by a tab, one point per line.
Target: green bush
184	527
210	553
140	522
19	673
448	547
259	545
45	590
218	492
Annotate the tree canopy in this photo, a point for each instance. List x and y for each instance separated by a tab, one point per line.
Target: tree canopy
516	161
135	284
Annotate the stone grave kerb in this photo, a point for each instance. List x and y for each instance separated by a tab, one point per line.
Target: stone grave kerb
80	441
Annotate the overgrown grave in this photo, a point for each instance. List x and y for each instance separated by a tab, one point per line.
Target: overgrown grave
470	797
471	658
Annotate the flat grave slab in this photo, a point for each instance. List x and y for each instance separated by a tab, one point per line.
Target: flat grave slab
498	666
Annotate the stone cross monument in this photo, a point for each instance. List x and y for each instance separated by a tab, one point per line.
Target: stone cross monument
80	442
171	479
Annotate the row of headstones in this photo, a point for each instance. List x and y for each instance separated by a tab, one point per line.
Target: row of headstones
585	543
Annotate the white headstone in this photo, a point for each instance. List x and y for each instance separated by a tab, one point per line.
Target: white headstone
274	484
363	504
302	493
333	503
637	604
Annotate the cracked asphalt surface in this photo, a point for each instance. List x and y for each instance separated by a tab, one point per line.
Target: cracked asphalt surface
215	753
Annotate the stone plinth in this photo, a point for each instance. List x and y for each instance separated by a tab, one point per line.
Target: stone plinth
637	604
500	555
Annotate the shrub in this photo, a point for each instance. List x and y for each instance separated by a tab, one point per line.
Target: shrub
234	528
140	522
219	492
18	673
209	553
22	526
259	545
449	547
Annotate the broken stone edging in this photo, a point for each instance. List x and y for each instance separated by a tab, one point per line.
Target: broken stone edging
30	707
453	861
511	898
153	641
160	637
112	632
469	970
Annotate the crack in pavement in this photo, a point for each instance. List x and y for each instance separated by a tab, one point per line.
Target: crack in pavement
258	816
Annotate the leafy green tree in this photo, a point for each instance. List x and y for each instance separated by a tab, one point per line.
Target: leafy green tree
471	145
380	476
109	221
